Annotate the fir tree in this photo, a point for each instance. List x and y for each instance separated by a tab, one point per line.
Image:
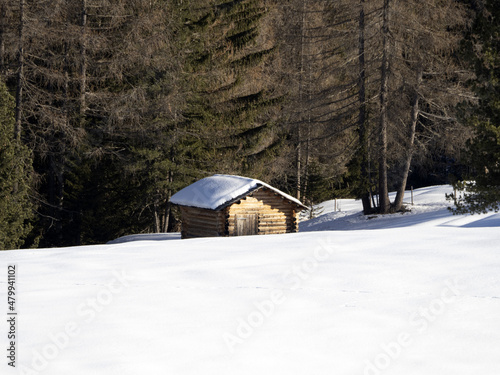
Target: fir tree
231	108
15	171
482	192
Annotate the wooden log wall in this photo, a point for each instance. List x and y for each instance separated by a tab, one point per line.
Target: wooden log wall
275	214
200	222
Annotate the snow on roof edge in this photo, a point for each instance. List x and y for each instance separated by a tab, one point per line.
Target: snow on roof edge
216	191
285	195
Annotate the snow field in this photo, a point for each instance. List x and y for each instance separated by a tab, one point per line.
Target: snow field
404	294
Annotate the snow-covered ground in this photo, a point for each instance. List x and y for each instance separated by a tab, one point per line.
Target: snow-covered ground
430	208
408	294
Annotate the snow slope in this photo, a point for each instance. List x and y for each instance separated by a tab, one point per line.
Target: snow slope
430	209
406	294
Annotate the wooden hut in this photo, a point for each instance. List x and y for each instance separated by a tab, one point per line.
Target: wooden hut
223	205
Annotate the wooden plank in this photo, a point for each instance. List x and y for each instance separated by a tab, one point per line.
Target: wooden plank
246	224
198	221
273	225
275	218
272	214
200	224
249	207
276	222
205	223
283	229
201	215
202	233
261	211
205	219
195	235
272	232
198	212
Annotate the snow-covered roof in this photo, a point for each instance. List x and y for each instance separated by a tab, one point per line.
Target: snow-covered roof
215	191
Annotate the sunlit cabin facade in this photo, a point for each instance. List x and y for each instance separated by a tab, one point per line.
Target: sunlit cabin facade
222	205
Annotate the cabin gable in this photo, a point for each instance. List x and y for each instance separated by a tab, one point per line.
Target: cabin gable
274	214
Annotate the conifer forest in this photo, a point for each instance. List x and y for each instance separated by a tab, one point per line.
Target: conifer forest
109	107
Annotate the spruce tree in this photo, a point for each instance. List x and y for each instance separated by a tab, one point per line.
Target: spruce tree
138	145
16	210
481	193
232	106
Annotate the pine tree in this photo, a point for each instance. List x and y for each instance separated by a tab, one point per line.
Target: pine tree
16	210
481	193
138	146
232	108
315	51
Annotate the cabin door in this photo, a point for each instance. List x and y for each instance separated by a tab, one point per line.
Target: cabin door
246	225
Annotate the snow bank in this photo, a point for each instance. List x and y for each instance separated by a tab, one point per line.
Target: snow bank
147	237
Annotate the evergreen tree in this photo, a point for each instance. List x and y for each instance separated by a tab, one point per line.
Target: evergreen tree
138	147
319	114
232	108
16	210
482	192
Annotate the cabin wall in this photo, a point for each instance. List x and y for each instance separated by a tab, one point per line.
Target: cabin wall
261	212
199	222
274	214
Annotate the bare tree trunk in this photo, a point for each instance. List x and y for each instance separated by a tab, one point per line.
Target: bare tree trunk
162	218
157	217
299	163
83	66
398	203
166	221
308	134
307	158
383	188
20	74
365	180
61	182
301	101
3	16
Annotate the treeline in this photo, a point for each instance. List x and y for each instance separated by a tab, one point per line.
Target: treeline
110	107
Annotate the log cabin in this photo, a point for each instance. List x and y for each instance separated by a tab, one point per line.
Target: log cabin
226	205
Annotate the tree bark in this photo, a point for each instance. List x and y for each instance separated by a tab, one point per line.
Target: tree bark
398	203
20	74
166	221
299	166
83	66
3	16
384	202
365	197
307	158
301	100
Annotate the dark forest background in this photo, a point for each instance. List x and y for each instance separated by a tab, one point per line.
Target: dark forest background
108	107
